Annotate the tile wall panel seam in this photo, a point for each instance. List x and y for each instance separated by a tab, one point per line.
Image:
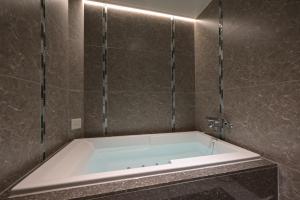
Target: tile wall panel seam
221	67
43	76
104	71
264	85
173	78
20	79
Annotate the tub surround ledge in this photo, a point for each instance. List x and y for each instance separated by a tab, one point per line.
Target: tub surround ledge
119	187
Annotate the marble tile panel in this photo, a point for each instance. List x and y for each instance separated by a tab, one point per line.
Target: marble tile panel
135	71
20	134
133	31
138	113
20	39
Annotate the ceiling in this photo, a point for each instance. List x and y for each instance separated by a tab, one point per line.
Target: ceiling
183	8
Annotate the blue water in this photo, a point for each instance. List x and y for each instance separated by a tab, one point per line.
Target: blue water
111	159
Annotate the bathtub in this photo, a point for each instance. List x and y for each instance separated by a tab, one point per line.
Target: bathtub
95	160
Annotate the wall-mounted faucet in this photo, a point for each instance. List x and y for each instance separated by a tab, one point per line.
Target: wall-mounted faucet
218	125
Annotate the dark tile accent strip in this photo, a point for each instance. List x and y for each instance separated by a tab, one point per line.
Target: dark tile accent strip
221	67
43	75
173	67
104	70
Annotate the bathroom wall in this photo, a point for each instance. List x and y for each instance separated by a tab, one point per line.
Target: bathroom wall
261	80
76	66
56	75
64	75
20	147
20	82
139	73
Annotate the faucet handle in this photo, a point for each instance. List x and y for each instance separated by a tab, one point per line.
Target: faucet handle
214	122
227	124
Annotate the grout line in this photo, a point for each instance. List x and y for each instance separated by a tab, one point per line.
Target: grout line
264	85
248	87
20	79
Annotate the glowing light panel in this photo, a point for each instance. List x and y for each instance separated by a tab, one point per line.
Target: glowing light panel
140	11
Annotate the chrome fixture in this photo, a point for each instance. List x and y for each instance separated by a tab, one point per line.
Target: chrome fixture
218	125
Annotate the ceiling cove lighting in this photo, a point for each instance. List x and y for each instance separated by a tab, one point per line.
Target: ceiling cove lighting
140	11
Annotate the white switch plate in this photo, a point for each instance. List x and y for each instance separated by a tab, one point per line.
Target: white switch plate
76	124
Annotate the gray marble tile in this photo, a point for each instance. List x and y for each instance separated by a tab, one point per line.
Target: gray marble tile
258	63
92	25
57	69
185	72
248	109
248	185
138	113
281	197
136	71
185	111
20	39
92	68
264	48
206	52
184	37
75	111
206	105
20	148
289	186
261	48
76	65
57	43
76	44
56	117
93	113
76	19
271	20
139	32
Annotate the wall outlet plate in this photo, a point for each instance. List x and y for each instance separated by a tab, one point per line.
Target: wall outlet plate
76	124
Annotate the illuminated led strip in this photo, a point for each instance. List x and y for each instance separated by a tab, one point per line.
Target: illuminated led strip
141	11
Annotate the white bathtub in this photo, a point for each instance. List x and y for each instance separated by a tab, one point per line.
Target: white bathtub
94	160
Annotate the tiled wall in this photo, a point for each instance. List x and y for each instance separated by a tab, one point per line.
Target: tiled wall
56	75
64	74
20	147
261	80
20	83
206	67
76	65
139	73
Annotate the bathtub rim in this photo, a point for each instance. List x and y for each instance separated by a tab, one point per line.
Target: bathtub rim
102	177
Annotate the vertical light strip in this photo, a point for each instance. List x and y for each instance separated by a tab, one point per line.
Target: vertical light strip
221	68
173	67
104	71
43	75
